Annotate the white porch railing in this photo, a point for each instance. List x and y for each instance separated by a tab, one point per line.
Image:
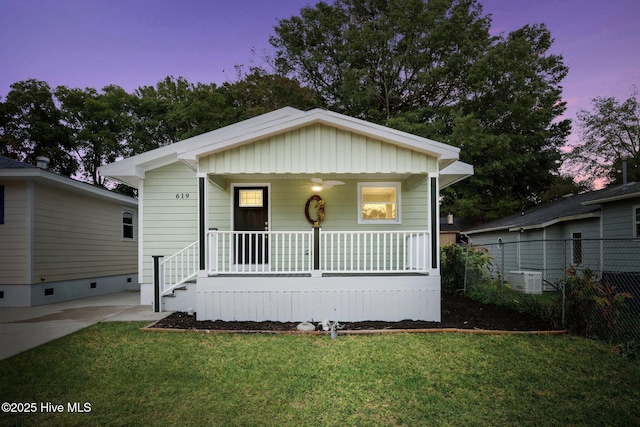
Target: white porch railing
259	252
374	251
292	252
178	269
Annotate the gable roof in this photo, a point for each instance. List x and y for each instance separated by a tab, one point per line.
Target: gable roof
622	192
132	169
568	208
543	215
11	169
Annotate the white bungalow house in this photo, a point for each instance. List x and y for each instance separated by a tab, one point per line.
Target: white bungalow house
293	216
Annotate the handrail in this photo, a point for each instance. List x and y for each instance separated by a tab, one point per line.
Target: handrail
179	268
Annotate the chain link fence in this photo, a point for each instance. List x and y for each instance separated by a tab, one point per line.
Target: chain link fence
596	282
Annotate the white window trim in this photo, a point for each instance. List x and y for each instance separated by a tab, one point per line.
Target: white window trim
398	187
133	224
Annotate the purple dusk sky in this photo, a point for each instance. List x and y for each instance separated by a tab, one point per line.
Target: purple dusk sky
132	43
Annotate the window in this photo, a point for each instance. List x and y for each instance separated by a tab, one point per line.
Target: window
577	248
636	221
1	204
127	225
379	202
251	198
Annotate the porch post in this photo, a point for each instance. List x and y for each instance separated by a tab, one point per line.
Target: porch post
316	248
156	283
202	221
435	223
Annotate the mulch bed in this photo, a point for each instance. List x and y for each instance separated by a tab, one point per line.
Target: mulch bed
458	312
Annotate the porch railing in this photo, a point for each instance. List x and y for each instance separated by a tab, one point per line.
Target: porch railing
374	251
260	252
292	252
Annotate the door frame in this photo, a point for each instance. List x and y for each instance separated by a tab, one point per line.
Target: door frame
233	207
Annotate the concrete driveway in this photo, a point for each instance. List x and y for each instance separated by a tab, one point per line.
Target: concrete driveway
23	328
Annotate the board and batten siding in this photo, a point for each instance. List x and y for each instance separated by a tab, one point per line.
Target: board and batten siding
76	236
318	149
170	213
13	234
618	219
618	222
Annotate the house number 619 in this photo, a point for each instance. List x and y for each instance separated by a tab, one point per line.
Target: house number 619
182	195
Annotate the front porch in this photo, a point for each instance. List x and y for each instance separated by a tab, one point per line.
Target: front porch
307	275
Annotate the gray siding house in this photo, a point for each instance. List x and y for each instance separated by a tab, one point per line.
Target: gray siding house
599	230
62	239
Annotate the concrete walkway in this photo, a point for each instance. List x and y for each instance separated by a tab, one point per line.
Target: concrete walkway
23	328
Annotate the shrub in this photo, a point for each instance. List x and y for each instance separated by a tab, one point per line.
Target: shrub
595	307
464	267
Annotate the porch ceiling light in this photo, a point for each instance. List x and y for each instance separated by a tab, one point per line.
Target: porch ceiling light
316	187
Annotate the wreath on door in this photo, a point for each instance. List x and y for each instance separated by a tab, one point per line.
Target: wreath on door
319	206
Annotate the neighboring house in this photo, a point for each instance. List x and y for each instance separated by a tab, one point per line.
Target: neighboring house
450	229
62	239
598	229
232	212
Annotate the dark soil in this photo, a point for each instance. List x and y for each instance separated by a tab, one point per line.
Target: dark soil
458	312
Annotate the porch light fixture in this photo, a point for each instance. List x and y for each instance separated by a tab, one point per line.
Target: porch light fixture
316	187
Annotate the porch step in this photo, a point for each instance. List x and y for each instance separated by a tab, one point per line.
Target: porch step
182	287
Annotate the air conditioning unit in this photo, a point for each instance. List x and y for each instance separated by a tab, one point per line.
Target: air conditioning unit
528	282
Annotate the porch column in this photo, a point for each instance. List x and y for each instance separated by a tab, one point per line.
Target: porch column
202	221
316	248
435	221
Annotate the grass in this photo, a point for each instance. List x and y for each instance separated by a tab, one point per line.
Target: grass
139	378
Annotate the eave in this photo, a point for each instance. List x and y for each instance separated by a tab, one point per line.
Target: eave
66	183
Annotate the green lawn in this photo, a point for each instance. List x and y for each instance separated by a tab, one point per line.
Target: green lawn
131	377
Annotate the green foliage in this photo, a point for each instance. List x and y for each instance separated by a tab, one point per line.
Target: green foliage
596	308
463	266
433	69
32	126
488	291
610	134
98	123
374	59
260	92
472	264
82	129
174	110
547	306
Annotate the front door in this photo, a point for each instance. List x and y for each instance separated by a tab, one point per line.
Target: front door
251	213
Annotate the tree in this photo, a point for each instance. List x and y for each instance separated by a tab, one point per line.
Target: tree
514	137
174	110
32	126
260	92
100	125
375	58
610	134
432	68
